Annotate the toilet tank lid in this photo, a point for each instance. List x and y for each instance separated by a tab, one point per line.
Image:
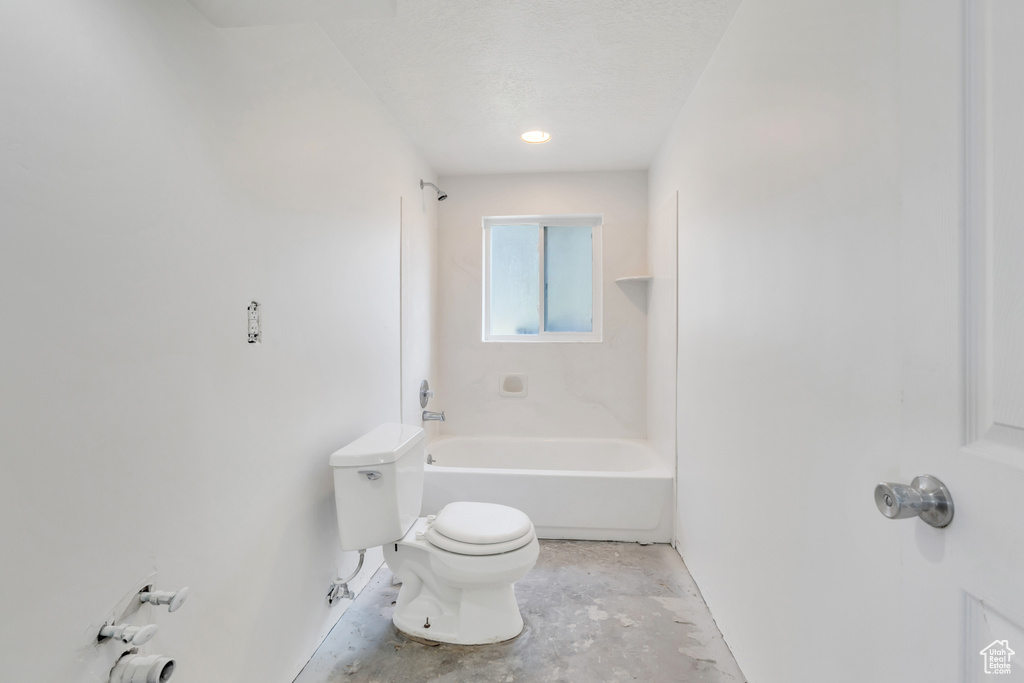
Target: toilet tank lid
384	444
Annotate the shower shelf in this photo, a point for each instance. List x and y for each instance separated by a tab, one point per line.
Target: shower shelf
634	278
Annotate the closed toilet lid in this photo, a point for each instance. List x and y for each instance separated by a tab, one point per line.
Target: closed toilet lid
480	529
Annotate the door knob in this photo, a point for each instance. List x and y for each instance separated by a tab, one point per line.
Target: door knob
926	497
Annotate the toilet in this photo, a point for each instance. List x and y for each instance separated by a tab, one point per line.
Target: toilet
457	568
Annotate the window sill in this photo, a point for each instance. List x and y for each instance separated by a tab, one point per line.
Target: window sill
543	340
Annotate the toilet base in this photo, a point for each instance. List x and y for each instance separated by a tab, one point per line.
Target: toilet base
479	616
435	643
459	599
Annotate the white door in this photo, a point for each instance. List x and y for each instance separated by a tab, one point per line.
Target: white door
962	128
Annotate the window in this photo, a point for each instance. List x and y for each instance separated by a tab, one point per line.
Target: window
542	278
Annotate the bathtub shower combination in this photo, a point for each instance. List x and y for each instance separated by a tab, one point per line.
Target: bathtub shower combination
586	489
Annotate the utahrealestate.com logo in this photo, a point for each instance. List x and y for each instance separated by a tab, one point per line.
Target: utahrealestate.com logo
997	657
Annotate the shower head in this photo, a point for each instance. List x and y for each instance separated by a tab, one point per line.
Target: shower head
441	194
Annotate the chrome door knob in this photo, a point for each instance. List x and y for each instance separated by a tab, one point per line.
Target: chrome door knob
926	497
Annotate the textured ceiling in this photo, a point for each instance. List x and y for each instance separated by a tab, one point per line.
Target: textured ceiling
465	77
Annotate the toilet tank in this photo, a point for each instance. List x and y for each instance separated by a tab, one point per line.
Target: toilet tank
378	485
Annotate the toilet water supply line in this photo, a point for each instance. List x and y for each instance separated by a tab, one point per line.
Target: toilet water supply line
339	587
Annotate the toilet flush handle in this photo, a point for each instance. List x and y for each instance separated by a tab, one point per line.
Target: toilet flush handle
372	475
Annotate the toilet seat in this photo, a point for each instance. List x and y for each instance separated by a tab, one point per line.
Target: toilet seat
479	529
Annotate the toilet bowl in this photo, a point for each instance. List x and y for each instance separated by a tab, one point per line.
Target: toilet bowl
457	568
457	572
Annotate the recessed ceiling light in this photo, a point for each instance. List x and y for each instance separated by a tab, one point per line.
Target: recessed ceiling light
535	136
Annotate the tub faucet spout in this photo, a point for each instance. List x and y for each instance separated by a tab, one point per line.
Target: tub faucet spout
429	416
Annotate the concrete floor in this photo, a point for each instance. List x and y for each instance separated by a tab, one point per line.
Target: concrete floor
594	612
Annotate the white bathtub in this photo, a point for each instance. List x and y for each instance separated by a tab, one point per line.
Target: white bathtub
591	489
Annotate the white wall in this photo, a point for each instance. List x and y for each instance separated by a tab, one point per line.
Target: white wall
662	328
419	300
575	389
785	157
155	175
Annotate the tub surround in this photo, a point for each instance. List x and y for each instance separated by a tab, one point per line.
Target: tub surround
589	388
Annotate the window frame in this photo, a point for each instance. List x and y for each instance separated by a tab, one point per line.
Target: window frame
595	222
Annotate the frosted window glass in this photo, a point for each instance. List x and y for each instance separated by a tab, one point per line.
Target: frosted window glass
515	275
568	279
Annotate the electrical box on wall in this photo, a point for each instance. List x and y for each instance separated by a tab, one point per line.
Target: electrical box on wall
255	334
